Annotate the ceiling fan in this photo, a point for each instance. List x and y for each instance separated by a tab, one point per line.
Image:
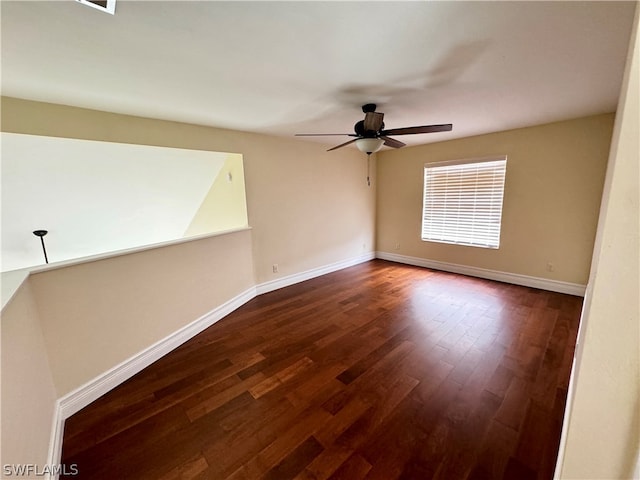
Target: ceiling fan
371	136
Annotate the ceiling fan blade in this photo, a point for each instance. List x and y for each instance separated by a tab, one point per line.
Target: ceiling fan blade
423	129
373	121
392	142
322	134
342	145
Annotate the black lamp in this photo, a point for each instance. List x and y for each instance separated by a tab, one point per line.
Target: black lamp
41	234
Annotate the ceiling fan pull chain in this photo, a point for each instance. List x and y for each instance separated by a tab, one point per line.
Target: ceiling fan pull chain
368	168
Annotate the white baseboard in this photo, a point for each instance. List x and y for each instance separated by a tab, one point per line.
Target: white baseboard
289	280
55	441
514	278
94	389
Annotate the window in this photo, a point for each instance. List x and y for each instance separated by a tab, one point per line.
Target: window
463	201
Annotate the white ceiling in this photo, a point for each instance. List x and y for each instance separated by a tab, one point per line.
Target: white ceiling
306	67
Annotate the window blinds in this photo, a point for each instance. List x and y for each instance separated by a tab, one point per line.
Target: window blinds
463	202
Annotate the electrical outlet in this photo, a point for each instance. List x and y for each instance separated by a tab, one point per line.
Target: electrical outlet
275	268
550	267
397	246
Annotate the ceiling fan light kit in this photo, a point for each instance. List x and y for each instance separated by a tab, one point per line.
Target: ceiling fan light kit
371	136
369	145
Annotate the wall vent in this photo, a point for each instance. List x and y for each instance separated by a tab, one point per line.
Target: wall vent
108	6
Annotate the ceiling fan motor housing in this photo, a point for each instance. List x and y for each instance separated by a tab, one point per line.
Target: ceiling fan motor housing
359	126
361	132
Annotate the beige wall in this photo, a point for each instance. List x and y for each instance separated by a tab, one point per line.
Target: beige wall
105	312
553	186
28	392
603	429
308	208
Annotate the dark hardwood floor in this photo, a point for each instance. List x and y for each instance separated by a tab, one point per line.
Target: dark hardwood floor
378	371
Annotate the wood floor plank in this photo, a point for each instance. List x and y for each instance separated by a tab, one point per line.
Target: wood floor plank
245	434
495	451
271	456
354	468
116	456
323	466
209	400
281	377
380	370
533	436
341	420
295	461
190	469
513	407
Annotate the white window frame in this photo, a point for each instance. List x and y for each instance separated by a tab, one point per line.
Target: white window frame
464	210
